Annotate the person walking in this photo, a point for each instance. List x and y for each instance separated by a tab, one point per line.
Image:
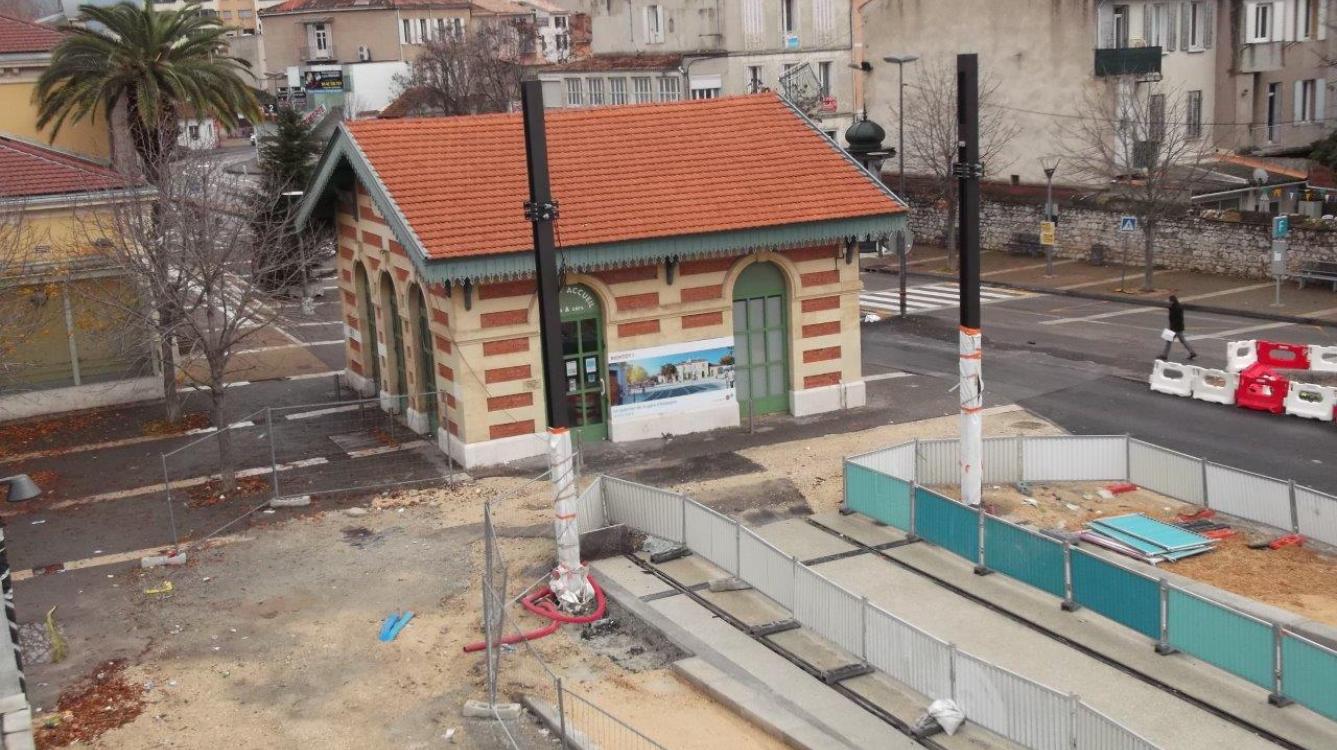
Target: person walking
1176	327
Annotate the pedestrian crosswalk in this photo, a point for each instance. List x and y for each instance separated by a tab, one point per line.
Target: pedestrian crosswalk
921	299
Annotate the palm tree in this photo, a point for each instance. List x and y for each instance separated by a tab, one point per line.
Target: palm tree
155	62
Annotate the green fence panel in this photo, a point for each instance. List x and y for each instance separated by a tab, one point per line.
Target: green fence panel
1309	675
1119	594
1232	641
1023	555
947	523
877	495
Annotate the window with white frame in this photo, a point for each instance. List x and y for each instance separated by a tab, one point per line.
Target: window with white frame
617	91
824	78
596	91
654	24
1198	21
705	93
1193	111
643	90
1156	117
1260	23
788	21
754	80
575	96
406	31
1306	19
1309	100
424	31
670	89
1162	29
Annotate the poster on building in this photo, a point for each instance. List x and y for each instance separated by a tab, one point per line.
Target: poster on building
324	80
671	378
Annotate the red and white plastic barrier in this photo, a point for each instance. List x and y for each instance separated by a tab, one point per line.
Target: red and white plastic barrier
1250	380
1173	378
1323	358
1283	356
1241	355
1262	389
1311	401
1215	386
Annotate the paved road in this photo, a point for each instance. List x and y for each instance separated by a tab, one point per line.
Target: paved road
1083	364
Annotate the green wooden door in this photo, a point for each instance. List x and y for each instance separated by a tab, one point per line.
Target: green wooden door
760	332
583	363
368	328
427	365
394	330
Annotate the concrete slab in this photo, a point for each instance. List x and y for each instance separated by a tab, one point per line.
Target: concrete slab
692	570
749	606
795	536
813	649
860	528
637	582
902	701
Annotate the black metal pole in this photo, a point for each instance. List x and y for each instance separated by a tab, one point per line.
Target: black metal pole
7	589
542	212
968	171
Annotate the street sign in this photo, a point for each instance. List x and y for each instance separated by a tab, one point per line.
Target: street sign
1047	233
1279	258
1281	227
1128	224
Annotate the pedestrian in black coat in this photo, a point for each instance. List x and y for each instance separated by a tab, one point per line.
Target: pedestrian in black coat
1177	328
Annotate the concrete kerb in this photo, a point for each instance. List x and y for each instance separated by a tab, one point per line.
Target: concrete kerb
547	715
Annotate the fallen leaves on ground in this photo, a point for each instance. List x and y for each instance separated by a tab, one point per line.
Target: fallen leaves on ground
95	705
384	438
35	434
212	493
195	420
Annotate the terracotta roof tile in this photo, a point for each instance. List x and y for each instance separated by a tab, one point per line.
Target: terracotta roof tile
595	63
32	171
618	173
17	37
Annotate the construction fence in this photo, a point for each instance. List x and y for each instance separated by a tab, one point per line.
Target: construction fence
886	485
998	700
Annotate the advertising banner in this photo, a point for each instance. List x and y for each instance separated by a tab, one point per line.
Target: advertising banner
671	378
324	80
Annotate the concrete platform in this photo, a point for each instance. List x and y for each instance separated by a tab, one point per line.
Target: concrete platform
860	529
750	606
796	536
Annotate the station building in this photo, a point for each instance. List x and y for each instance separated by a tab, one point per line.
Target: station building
708	253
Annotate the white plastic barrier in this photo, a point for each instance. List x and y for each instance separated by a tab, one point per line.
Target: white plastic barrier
1323	358
1311	401
1241	354
1216	386
1173	378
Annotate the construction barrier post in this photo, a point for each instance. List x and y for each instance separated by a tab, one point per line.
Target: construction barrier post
1277	698
981	567
1163	646
863	629
1295	511
1069	604
1206	501
1127	457
914	506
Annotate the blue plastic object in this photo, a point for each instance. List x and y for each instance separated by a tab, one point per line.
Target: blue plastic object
394	623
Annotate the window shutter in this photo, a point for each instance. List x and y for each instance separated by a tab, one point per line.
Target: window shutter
1147	11
1105	17
1208	23
1298	104
645	23
1171	28
1320	94
1185	25
1322	32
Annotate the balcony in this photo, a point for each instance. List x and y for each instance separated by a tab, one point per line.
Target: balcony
1128	61
1262	57
311	54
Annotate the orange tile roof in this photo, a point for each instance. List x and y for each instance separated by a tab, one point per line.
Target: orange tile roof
19	37
618	173
32	171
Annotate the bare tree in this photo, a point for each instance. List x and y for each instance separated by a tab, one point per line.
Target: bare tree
1137	140
473	72
930	135
21	296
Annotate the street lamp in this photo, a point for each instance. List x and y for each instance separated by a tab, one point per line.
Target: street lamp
900	61
1050	165
21	487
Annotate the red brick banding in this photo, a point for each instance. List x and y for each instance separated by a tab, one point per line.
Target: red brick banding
354	345
821	303
819	278
346	275
443	344
507	289
402	274
701	293
370	215
345	252
505	346
817	381
513	401
375	263
506	374
351	321
821	355
348	231
503	318
452	428
439	316
706	265
821	329
398	249
817	252
625	275
355	366
703	319
349	299
371	238
638	328
450	400
511	429
638	301
445	372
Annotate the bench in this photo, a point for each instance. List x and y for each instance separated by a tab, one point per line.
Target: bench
1318	271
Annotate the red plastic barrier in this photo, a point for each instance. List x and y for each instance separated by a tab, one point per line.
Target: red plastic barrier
1283	356
1262	389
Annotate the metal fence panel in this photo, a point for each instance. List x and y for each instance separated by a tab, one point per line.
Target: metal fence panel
1024	555
1317	513
938	462
600	728
1309	674
947	523
1007	704
652	510
1074	458
769	570
828	610
897	461
877	495
1251	496
1166	471
590	507
908	654
1118	593
1002	459
1218	635
711	535
1096	731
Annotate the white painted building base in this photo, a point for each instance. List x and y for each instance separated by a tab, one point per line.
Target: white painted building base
73	398
713	417
360	385
492	452
388	402
416	420
828	398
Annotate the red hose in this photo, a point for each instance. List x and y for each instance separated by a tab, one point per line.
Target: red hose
539	603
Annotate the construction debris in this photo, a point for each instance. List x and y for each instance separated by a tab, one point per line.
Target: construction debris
1146	539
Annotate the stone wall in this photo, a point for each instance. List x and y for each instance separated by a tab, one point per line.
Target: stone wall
1190	242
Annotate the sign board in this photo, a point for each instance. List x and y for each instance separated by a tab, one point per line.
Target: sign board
1128	224
1047	233
1281	227
324	80
671	378
828	104
1279	258
791	41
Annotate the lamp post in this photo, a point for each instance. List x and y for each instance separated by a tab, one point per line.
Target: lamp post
902	251
1050	166
21	488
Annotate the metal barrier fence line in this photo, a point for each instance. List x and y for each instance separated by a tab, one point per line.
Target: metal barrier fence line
1072	458
1032	714
1267	654
910	655
652	510
769	570
602	729
1096	730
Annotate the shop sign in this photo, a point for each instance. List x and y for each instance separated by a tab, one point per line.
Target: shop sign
324	80
575	302
671	378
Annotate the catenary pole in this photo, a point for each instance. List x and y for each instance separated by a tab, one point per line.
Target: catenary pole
569	581
968	171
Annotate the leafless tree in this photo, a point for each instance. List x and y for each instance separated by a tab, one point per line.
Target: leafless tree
195	251
21	298
474	72
1137	140
930	135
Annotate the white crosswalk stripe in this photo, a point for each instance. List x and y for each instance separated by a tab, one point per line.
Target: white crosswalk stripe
920	299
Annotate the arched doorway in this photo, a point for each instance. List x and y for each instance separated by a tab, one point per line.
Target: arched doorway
394	341
761	334
426	362
583	362
367	328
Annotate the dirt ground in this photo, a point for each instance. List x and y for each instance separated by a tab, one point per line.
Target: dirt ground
273	643
1295	578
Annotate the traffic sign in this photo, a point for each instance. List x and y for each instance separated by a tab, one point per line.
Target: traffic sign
1281	227
1128	224
1047	233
